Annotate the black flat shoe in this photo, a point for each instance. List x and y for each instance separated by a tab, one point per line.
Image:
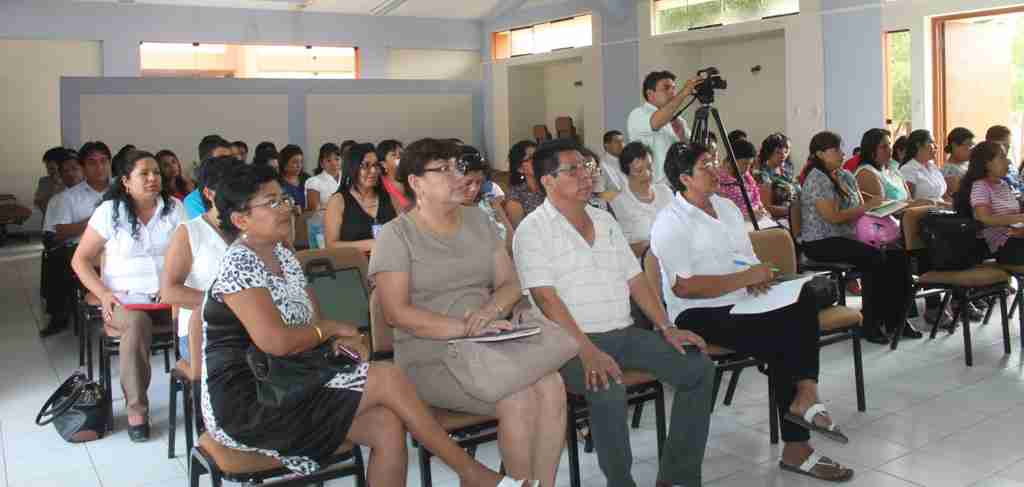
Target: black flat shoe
139	433
910	332
875	336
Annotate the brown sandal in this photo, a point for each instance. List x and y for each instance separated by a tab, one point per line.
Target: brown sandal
820	467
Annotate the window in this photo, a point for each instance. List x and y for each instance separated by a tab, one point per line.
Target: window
679	15
242	61
541	38
897	82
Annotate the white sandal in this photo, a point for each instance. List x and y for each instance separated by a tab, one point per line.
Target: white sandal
511	482
807	421
815	459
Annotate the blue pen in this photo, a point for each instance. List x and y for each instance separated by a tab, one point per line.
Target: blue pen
740	262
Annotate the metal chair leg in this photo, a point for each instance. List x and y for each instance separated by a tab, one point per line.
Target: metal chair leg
186	404
574	448
425	477
659	418
858	370
172	418
968	352
638	415
730	391
773	415
1006	324
715	386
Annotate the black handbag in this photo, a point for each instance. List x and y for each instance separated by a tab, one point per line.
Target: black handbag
952	240
283	382
824	291
76	410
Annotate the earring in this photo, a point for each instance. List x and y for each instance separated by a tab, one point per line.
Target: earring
245	236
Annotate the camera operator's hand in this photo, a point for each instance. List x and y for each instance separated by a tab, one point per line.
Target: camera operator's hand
690	87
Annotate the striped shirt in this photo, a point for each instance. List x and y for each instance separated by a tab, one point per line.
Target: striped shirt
998	197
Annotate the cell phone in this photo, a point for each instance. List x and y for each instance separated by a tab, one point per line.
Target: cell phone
344	350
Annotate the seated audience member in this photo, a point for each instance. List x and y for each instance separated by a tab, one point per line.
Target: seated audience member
443	273
986	196
240	150
64	225
899	149
830	204
708	265
878	176
267	157
525	195
293	175
211	146
599	198
195	252
389	153
361	206
131	228
345	146
50	184
777	189
640	199
174	178
611	170
581	273
1001	135
57	282
729	186
958	145
260	298
265	147
478	173
327	179
735	135
923	177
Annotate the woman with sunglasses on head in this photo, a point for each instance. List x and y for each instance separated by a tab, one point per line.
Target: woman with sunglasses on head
774	175
260	300
361	207
132	229
443	273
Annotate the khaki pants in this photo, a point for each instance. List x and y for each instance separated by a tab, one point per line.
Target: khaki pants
135	328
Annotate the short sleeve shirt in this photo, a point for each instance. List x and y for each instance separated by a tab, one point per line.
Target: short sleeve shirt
611	173
325	185
639	129
77	204
928	181
133	263
592	280
688	242
819	186
729	188
998	197
635	216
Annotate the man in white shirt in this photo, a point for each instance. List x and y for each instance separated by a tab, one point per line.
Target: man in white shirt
614	179
67	214
654	122
581	273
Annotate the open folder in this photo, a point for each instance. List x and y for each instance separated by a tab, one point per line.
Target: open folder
887	208
784	292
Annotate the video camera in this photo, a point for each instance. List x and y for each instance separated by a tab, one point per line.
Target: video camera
705	90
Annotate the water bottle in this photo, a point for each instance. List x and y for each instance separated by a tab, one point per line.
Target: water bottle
315	224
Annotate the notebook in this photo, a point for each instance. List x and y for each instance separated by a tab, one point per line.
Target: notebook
888	208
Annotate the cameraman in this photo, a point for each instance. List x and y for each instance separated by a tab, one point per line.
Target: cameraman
654	122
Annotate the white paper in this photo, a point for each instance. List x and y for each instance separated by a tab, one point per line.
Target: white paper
780	295
887	208
129	298
500	337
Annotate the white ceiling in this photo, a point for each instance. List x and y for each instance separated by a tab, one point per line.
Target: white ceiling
460	9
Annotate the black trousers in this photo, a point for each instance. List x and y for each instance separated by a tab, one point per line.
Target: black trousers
1012	252
59	282
885	280
786	339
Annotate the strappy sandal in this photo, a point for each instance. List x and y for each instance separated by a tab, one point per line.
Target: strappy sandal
511	482
820	467
831	431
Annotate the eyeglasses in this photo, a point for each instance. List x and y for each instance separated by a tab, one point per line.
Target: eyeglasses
588	168
274	204
365	166
457	170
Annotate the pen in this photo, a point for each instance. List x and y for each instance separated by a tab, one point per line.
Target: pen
740	262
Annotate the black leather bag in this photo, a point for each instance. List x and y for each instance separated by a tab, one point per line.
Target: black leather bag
283	382
952	240
823	290
76	410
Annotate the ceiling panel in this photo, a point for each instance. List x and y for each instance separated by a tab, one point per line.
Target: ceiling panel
460	9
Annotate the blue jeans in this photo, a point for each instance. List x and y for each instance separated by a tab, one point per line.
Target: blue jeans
183	347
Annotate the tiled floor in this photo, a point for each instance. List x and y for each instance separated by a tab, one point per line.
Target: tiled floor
931	421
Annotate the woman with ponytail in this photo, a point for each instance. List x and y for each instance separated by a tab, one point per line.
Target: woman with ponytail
831	204
958	145
988	198
132	229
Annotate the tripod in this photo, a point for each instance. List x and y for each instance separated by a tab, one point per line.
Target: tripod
701	134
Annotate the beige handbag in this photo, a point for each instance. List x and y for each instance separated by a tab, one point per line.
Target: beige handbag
493	371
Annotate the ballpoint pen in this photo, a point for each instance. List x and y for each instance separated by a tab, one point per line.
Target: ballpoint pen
740	262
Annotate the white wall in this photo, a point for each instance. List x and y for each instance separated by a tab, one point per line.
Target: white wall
30	107
434	64
562	97
527	102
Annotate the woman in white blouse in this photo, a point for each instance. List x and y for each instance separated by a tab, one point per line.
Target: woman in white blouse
640	199
131	228
194	254
708	265
321	187
923	177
